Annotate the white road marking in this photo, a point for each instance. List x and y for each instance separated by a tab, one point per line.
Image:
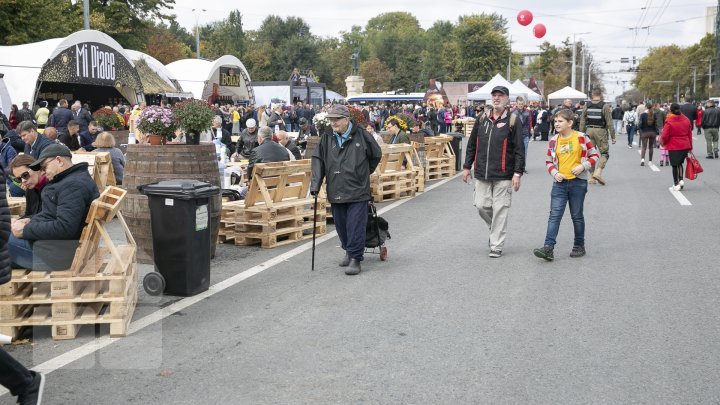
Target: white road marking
157	316
680	197
653	167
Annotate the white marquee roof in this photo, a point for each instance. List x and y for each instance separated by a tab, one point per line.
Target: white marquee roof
22	64
195	75
567	92
483	93
531	95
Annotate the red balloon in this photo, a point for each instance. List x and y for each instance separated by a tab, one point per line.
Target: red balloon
539	30
524	17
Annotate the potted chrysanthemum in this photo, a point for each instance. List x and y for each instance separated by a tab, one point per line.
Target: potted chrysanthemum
157	123
193	117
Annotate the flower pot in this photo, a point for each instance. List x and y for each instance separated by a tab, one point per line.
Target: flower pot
155	139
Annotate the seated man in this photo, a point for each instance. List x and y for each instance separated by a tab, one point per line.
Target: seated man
71	138
48	240
34	142
268	151
289	144
305	132
425	130
51	134
87	137
247	141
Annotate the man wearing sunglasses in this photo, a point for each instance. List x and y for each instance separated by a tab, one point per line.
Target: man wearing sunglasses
48	241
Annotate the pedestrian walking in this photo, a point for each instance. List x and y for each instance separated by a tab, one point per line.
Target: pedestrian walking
496	149
677	138
629	119
648	133
710	124
596	122
571	155
345	158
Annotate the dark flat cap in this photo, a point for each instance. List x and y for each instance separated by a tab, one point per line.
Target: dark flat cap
338	111
51	151
504	90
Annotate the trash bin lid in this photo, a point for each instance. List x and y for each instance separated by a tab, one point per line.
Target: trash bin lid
183	189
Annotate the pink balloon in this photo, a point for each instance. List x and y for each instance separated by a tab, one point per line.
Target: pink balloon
539	30
524	17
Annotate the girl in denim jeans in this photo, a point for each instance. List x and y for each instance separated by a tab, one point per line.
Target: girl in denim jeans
570	156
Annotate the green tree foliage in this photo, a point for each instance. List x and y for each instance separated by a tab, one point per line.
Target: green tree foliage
483	49
397	40
224	37
662	64
551	67
127	21
377	76
164	46
24	21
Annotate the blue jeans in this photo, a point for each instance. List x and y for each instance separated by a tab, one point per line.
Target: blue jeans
21	255
570	192
350	222
630	133
526	142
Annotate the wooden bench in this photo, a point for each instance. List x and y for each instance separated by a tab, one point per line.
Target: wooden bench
99	288
99	165
277	209
391	181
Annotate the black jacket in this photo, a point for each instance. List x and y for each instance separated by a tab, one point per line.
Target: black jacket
15	141
33	202
40	143
711	118
60	118
56	229
5	270
345	169
269	151
689	110
293	148
71	141
496	149
276	119
83	118
246	143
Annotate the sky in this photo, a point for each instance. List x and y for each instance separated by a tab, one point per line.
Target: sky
612	29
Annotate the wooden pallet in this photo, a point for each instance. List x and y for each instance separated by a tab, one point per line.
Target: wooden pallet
99	165
99	288
418	165
16	205
391	180
277	209
439	157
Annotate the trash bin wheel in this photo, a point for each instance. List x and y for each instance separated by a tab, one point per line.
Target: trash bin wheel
383	253
154	283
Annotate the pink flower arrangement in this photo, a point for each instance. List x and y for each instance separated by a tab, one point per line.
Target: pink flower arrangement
157	120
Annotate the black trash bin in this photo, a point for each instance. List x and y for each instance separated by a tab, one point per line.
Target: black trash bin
456	145
180	219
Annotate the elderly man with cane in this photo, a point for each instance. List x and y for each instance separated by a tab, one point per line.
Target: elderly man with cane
345	158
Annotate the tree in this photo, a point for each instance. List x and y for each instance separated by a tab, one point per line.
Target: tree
483	49
662	64
164	46
550	66
35	20
397	40
225	37
377	76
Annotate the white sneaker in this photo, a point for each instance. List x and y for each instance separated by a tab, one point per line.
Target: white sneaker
682	183
642	162
675	188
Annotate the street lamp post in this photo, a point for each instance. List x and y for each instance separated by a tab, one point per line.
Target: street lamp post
677	89
574	58
197	29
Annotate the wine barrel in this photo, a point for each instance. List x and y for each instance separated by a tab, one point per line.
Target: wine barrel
145	164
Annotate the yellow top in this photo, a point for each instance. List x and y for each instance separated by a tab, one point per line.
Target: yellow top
569	154
235	116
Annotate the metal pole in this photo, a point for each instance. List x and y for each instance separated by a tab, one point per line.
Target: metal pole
509	60
312	266
572	74
677	93
709	77
694	79
86	14
582	86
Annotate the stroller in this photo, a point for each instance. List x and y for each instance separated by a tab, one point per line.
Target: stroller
376	232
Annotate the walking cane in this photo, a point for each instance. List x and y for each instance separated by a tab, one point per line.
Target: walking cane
312	268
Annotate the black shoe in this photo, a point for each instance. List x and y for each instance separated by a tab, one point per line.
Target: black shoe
33	394
353	267
709	157
716	155
545	252
345	261
578	251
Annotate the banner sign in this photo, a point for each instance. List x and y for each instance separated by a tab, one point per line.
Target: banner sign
230	77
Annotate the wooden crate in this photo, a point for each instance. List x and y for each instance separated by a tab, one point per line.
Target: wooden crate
391	180
16	205
277	209
99	288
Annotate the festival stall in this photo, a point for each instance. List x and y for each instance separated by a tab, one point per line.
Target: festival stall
87	65
224	80
158	83
300	86
565	93
483	93
531	95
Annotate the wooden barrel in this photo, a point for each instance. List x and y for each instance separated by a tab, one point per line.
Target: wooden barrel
145	164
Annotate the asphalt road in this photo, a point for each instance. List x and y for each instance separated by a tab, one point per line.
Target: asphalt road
635	321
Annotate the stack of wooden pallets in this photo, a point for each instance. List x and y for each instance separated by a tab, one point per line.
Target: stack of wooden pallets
439	157
99	166
391	181
16	205
99	288
277	209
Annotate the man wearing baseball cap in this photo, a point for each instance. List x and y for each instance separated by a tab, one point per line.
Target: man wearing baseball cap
48	240
496	149
345	158
305	132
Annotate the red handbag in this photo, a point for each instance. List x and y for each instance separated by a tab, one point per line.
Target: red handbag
693	167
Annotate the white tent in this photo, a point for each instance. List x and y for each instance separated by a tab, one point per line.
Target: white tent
531	95
567	92
204	78
160	69
86	57
483	93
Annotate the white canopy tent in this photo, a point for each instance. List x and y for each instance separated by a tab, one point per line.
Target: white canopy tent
531	95
225	77
566	92
160	70
86	57
483	93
